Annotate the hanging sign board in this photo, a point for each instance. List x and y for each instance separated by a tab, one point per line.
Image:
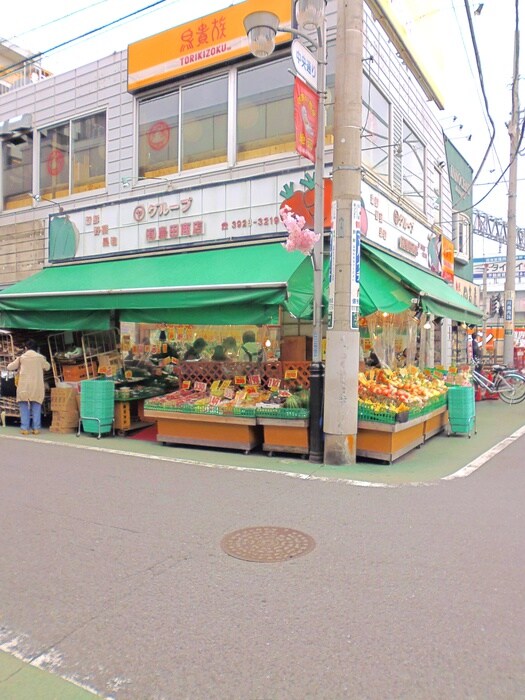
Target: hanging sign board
305	63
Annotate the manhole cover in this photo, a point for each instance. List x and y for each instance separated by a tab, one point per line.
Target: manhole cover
267	544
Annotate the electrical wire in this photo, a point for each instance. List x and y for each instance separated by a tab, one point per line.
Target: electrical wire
14	67
485	99
57	19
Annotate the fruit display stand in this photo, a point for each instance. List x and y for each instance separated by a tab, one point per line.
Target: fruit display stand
206	430
218	417
398	411
389	441
284	435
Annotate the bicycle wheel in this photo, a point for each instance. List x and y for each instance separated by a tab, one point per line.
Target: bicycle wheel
511	388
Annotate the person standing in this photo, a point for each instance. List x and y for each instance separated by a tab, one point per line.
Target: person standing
30	391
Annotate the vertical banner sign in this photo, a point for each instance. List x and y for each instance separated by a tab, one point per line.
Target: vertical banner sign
306	107
331	277
356	264
447	259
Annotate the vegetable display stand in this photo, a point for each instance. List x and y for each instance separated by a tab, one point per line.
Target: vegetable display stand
389	441
206	430
97	406
281	435
461	410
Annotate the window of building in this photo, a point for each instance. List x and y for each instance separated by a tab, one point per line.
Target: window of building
73	156
204	112
461	234
375	148
88	142
437	204
413	159
265	119
18	171
159	135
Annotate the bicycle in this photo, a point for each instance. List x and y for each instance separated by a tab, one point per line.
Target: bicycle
507	383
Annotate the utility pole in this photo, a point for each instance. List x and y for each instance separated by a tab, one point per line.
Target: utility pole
510	274
342	336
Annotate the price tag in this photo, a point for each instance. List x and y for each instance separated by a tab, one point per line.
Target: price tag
128	374
186	384
103	369
240	397
164	348
250	389
290	374
274	383
134	349
174	361
154	349
214	400
229	393
254	379
239	380
200	386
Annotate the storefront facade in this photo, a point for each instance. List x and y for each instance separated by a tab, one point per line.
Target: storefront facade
159	192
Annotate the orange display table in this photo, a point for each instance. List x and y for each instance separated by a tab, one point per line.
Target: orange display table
206	430
389	441
284	435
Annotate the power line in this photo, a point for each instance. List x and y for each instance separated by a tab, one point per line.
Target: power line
57	19
14	67
485	99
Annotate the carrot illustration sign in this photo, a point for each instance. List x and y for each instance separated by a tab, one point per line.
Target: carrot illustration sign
302	202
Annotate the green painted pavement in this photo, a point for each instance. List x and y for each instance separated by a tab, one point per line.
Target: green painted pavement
438	457
22	681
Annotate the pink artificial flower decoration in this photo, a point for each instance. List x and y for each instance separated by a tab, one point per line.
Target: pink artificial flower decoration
299	238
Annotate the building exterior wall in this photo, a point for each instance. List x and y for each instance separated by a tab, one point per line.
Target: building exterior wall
103	85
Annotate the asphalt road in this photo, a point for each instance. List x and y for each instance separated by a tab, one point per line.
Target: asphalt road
112	574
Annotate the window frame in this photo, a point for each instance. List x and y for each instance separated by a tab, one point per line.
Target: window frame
70	157
419	203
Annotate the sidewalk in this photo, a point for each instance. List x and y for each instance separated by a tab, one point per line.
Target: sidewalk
437	458
20	680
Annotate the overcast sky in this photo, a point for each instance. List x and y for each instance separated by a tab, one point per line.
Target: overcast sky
442	24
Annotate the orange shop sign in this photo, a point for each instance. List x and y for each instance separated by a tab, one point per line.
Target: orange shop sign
198	44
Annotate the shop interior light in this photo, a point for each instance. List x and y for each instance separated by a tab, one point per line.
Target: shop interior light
268	343
427	325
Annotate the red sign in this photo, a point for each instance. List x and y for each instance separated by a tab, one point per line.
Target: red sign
159	135
306	107
55	162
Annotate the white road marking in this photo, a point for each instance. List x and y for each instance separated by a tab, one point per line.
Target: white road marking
473	466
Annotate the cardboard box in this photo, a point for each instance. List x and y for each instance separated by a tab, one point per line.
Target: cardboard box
65	399
75	373
63	431
65	419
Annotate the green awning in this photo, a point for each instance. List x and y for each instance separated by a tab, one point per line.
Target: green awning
437	297
379	291
244	285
